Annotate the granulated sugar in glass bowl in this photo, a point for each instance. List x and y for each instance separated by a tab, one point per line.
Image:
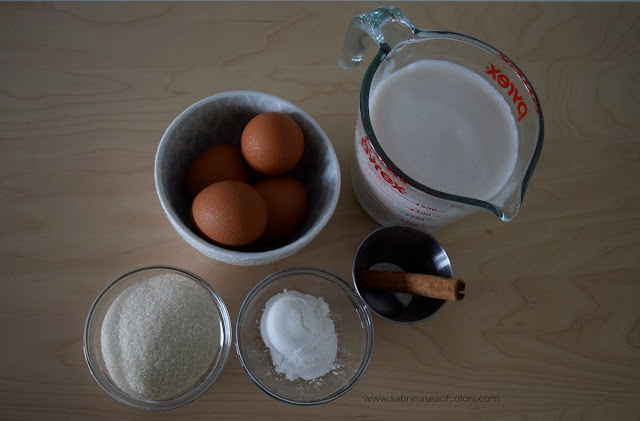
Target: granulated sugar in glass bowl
157	338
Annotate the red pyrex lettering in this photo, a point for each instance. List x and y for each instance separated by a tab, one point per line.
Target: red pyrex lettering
369	151
503	80
524	80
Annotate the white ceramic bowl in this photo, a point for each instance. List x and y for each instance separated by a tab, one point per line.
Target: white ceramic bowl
219	119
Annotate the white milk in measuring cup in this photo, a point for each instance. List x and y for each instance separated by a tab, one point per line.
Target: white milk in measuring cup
442	129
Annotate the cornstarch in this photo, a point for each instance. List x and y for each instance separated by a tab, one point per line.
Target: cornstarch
300	335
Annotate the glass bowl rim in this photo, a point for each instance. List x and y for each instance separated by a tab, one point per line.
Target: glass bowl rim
190	394
355	298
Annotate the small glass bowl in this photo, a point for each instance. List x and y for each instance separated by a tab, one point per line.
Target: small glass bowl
353	326
92	346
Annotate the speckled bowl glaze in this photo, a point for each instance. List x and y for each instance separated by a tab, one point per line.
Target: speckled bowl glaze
220	119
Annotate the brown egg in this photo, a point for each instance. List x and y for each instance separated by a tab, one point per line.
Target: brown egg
220	162
230	213
272	143
287	203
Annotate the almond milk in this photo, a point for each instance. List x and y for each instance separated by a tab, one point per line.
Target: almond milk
446	127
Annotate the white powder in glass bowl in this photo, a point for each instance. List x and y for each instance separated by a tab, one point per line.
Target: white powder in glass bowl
160	336
298	330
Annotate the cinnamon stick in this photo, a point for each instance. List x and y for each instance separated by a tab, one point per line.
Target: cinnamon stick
414	283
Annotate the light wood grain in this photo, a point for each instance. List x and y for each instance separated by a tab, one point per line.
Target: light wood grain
550	323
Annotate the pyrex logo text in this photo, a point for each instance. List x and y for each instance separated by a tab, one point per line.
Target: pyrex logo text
364	142
524	80
503	81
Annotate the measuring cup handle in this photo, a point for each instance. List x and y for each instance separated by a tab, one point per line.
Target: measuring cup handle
374	24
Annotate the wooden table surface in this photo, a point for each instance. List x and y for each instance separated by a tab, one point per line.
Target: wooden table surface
551	323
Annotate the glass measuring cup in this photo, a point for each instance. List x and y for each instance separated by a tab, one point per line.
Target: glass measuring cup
383	188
